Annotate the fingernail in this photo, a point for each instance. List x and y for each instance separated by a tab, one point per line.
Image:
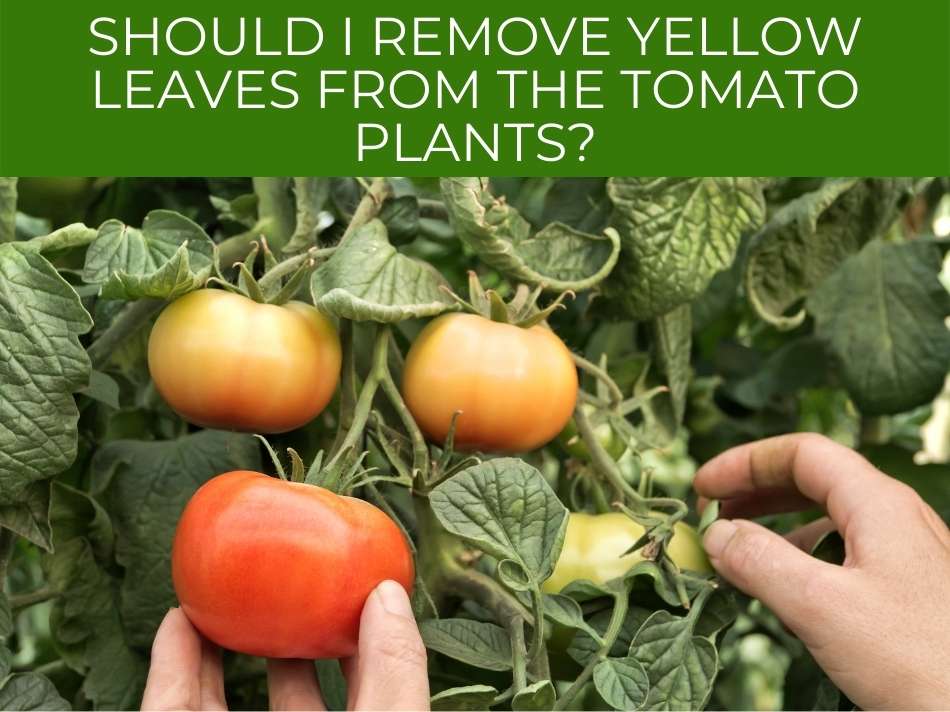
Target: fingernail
717	536
394	599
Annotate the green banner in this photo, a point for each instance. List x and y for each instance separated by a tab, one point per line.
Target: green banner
109	87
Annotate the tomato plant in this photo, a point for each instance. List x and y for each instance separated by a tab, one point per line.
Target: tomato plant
274	367
494	391
252	558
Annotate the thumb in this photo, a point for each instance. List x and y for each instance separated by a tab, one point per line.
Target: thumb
798	588
389	671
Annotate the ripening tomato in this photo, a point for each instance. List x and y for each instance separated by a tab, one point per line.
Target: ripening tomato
594	545
222	360
516	388
282	569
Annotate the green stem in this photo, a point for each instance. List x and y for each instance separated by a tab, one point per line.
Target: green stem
621	604
616	395
604	464
127	323
518	666
292	264
364	403
420	453
368	207
25	600
275	204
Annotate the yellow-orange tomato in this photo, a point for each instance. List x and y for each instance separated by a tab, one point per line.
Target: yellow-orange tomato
221	360
595	543
516	388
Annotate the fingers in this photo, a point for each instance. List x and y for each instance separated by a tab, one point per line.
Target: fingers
797	587
806	536
767	501
185	671
292	685
824	472
389	671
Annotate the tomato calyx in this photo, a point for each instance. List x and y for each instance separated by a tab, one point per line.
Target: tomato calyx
340	476
521	310
281	280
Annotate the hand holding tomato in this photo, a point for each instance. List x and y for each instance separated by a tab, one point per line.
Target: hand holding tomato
186	674
879	625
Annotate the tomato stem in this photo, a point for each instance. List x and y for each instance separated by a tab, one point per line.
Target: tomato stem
616	395
420	452
518	666
132	318
368	207
617	617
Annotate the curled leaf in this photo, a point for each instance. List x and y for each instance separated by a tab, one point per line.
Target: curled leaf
367	279
558	256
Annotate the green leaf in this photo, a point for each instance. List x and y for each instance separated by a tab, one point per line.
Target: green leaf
102	388
719	612
882	315
484	645
170	256
145	486
677	233
539	696
6	658
558	256
681	666
507	509
794	366
30	691
809	237
671	336
401	217
471	697
84	621
567	612
41	365
622	682
583	647
367	279
7	209
30	517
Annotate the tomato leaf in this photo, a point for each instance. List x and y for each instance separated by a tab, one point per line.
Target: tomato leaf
676	234
567	612
6	626
367	279
558	256
145	486
809	237
681	666
311	196
470	697
30	691
672	338
484	645
170	256
622	682
538	696
102	388
507	509
30	517
882	315
7	209
41	365
85	621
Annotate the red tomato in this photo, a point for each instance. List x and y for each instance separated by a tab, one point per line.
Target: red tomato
516	388
281	569
221	360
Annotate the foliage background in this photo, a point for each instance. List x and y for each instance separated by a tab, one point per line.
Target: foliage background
764	305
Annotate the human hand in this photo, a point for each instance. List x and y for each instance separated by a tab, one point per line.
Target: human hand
879	625
387	673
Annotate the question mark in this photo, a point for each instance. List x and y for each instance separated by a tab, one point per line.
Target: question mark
590	136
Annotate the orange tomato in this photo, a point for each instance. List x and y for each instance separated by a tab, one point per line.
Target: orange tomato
516	388
221	360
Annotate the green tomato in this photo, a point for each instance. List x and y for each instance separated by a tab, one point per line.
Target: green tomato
594	545
61	200
570	440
